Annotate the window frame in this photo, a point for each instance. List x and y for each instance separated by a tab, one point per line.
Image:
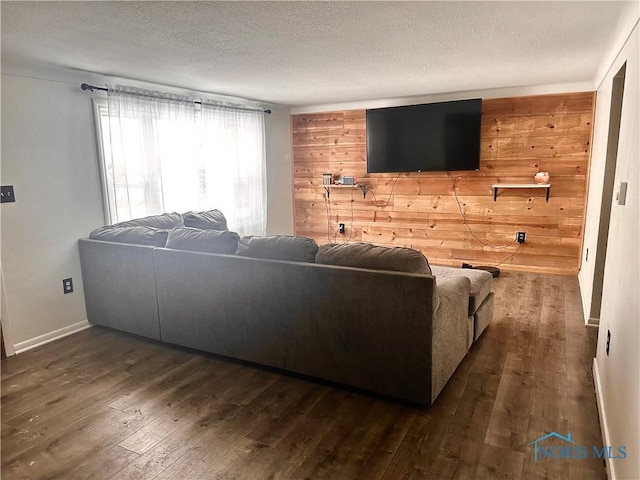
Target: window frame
100	105
101	115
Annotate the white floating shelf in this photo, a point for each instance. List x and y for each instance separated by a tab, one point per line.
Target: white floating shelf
496	186
362	187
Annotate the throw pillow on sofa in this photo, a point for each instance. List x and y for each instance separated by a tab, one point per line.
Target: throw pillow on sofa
366	255
166	221
278	247
197	240
139	235
211	220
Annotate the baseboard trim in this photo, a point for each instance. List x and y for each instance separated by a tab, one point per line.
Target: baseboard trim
593	322
603	418
50	337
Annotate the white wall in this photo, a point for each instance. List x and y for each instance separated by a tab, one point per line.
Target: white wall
49	154
279	173
604	85
618	375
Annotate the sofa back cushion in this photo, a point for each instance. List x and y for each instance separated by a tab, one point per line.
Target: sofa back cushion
279	247
366	255
197	240
139	235
210	220
166	221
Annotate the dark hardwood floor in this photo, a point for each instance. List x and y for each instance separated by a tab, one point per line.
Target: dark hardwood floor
102	404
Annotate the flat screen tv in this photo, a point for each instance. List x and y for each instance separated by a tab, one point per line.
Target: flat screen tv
422	138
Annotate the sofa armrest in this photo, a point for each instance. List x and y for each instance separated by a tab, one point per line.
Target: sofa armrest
450	342
119	286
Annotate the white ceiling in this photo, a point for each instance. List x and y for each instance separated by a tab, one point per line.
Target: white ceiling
303	53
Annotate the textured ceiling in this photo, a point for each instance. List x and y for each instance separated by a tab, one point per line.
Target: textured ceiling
301	53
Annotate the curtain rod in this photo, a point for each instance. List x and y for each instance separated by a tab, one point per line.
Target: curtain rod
90	88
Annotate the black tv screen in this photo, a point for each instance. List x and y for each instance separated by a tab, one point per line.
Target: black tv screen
428	137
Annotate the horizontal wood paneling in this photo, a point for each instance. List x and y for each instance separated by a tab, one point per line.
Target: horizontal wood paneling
520	136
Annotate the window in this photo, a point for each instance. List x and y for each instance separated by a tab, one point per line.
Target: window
162	155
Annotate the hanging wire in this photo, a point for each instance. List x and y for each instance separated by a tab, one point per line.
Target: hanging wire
347	240
464	220
327	207
509	257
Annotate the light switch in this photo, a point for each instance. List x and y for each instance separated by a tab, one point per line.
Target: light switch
6	194
622	193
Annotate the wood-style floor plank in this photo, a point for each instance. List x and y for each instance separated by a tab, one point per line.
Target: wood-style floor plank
103	404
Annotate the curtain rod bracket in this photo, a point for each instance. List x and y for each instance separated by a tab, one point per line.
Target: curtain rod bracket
90	88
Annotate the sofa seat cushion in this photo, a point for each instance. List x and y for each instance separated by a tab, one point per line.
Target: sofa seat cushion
481	282
366	255
210	220
166	221
197	240
139	235
278	247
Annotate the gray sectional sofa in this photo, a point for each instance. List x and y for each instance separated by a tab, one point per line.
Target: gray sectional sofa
360	315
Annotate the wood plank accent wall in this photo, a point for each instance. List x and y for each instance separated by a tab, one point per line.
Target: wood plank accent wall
520	136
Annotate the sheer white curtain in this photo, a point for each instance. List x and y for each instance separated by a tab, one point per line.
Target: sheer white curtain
151	156
234	140
163	153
